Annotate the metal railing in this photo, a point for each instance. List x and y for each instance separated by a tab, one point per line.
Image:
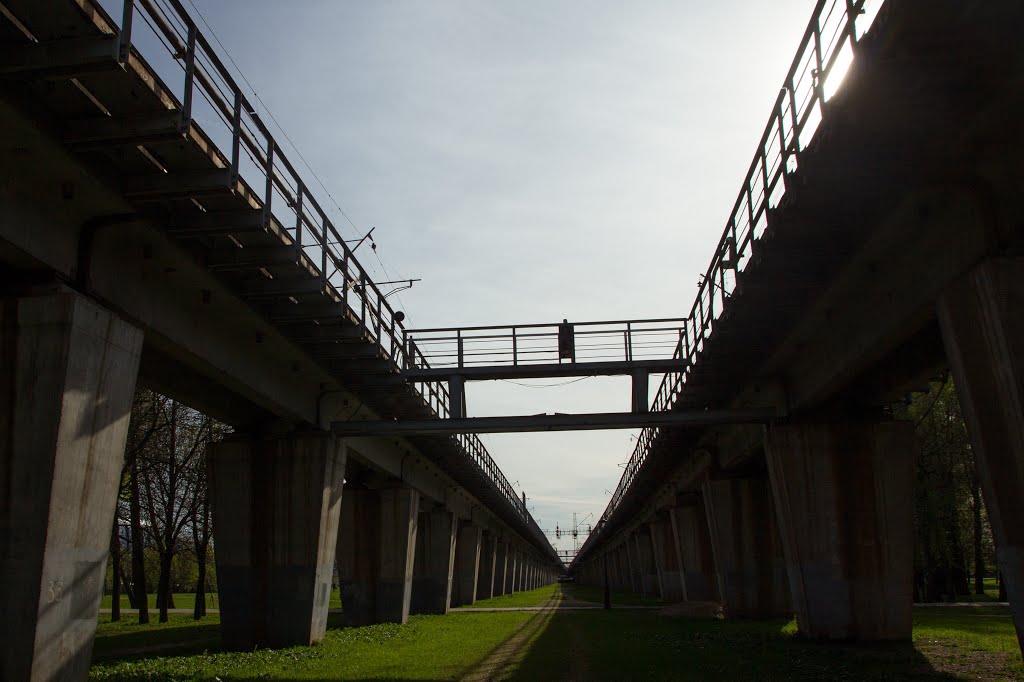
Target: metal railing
826	51
534	344
203	91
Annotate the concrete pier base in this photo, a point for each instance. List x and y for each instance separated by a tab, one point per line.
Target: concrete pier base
67	381
488	564
635	582
434	563
844	497
983	332
276	507
746	546
696	558
467	563
666	556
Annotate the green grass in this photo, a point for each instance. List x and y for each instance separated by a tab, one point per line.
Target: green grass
428	648
948	643
596	595
537	597
182	600
643	645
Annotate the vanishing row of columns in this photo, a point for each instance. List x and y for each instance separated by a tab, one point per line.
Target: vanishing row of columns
69	370
826	532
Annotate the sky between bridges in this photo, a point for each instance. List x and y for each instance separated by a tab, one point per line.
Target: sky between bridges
530	161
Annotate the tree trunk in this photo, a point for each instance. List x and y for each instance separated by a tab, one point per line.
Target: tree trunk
200	608
979	556
138	557
115	565
163	592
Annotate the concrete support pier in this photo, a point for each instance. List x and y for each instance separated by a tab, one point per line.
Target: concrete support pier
501	567
635	583
650	578
983	331
358	555
488	564
435	562
746	546
276	508
844	497
467	563
67	381
510	569
666	555
696	558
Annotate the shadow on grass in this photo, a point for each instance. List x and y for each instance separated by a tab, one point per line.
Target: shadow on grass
174	640
623	645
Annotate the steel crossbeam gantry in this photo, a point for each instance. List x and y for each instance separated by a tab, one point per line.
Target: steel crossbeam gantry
635	348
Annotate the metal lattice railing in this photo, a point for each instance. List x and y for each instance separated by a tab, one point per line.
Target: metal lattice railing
534	344
201	91
822	59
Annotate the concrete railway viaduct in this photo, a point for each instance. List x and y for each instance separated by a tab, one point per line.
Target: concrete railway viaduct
152	232
891	253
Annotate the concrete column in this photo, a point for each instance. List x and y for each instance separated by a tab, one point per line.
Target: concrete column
696	559
501	562
435	562
844	497
666	556
635	584
276	507
983	331
67	381
488	563
467	563
358	555
510	569
747	549
648	568
399	527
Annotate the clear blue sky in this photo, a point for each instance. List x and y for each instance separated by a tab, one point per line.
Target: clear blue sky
530	161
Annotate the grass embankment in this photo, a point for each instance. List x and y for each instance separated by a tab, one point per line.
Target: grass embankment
953	643
427	648
537	597
948	643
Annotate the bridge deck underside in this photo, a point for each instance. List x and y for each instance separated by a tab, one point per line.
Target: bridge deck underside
908	116
123	124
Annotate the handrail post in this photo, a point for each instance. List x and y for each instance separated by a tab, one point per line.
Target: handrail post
299	191
124	40
268	195
190	72
236	138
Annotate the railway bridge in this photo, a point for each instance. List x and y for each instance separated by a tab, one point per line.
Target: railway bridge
153	232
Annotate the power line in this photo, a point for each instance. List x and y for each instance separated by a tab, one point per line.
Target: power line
563	383
294	147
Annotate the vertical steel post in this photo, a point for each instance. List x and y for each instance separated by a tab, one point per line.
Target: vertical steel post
190	72
124	40
299	191
236	137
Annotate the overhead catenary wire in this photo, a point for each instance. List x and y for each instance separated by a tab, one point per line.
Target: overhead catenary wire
284	133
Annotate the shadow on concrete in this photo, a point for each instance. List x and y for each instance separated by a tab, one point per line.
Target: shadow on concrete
631	644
